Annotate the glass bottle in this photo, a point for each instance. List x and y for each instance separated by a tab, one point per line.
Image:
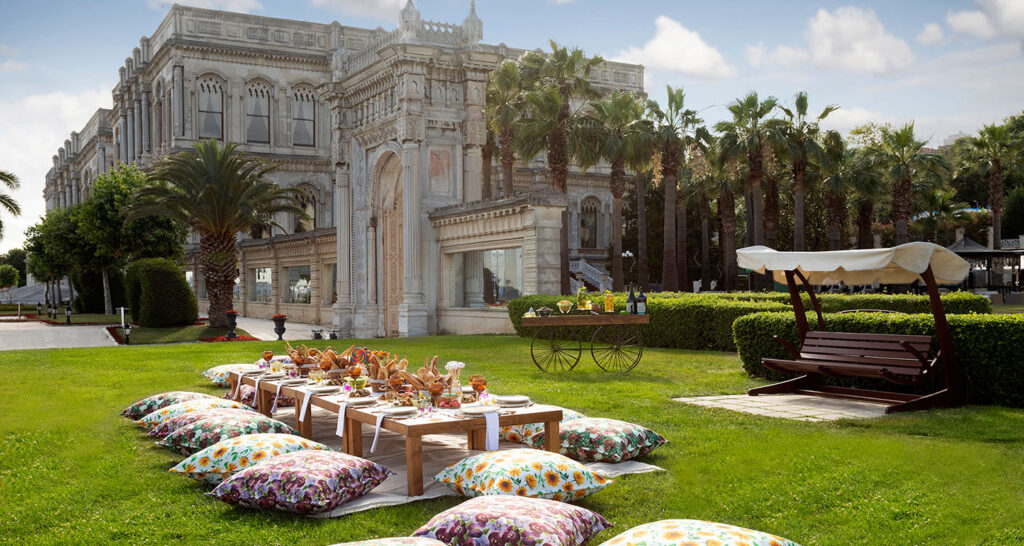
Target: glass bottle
631	301
641	303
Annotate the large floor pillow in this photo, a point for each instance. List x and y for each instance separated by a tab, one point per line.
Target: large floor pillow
247	396
219	461
218	375
677	532
153	419
523	472
206	432
523	433
603	440
394	541
503	520
152	403
306	482
178	421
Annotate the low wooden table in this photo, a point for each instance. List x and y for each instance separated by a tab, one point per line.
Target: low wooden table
413	429
615	345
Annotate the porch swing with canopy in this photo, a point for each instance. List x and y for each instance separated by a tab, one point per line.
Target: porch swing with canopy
898	359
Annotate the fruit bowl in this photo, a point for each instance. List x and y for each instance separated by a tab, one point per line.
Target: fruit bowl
544	311
565	306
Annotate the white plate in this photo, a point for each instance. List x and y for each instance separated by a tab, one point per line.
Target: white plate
400	410
514	400
252	372
293	381
363	401
479	410
467	389
324	389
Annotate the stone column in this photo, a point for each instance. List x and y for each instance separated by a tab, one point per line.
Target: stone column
63	197
145	123
130	134
343	244
412	313
137	144
177	103
122	137
473	270
371	265
101	159
74	190
473	167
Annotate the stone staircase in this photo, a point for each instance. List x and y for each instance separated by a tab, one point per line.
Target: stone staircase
591	275
31	294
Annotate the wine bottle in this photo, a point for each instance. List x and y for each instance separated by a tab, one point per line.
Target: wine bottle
631	301
641	303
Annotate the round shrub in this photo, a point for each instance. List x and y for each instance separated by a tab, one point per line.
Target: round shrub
159	295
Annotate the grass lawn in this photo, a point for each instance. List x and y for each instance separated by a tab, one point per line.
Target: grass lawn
1007	309
73	471
83	318
177	334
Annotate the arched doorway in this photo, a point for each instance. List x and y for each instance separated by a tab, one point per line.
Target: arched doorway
388	186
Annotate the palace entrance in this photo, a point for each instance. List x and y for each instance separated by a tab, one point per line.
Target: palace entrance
390	251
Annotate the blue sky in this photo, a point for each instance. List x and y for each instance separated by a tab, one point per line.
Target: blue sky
948	65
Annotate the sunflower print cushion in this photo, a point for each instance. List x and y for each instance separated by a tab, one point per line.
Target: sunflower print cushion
247	396
676	532
505	520
523	472
394	541
603	440
523	433
217	462
153	419
178	421
218	375
148	405
307	482
206	432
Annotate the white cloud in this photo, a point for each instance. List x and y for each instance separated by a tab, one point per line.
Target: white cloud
975	23
7	67
931	34
845	118
34	127
782	56
243	6
562	1
675	48
386	10
852	38
7	50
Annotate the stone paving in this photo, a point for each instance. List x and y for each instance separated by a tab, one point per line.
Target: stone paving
798	407
36	335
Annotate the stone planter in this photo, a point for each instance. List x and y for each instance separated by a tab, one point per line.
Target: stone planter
232	324
279	328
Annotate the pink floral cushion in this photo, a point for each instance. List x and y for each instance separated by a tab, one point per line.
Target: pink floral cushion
206	432
501	520
147	405
153	419
217	462
305	482
603	440
691	532
247	396
178	421
394	541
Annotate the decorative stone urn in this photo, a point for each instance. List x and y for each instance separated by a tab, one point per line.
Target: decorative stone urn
279	328
232	324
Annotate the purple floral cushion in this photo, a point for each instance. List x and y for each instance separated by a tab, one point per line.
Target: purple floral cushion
178	421
139	409
691	532
603	440
500	520
305	482
206	432
394	541
247	396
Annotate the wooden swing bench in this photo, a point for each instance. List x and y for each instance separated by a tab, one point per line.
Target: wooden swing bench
897	359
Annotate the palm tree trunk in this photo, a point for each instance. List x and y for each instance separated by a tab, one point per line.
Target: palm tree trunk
108	307
508	160
771	212
995	202
727	212
864	213
748	212
682	260
642	276
798	207
669	275
901	210
705	243
836	220
618	185
486	158
756	211
218	256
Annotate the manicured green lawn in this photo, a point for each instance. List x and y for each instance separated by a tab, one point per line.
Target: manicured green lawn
177	334
73	471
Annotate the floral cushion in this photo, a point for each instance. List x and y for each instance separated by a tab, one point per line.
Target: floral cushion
523	433
178	421
307	482
217	462
604	440
206	432
218	375
247	396
147	405
153	419
524	472
676	532
500	520
394	541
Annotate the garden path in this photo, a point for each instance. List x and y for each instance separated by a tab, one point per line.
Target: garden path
36	335
264	329
799	407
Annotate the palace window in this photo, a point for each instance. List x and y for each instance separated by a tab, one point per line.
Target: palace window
589	214
308	204
190	278
260	284
503	274
299	286
211	109
304	118
257	114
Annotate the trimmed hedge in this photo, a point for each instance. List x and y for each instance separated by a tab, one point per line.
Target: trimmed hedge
159	295
89	290
685	320
989	348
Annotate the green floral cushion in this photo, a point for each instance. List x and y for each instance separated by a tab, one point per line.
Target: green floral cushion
691	532
523	472
147	405
153	419
218	375
215	463
523	433
206	432
603	440
178	421
394	541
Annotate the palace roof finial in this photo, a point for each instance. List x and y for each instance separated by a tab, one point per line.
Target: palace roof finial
472	26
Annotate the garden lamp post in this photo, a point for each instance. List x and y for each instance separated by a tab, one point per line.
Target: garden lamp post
127	334
67	312
39	309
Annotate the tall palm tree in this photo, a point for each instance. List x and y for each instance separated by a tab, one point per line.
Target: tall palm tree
746	136
613	130
903	158
504	106
676	129
994	152
7	201
219	192
716	176
940	205
801	142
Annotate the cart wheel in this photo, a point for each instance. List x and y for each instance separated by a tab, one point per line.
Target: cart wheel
617	348
550	353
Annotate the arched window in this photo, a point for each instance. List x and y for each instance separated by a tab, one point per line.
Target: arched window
211	108
257	114
589	214
308	203
304	118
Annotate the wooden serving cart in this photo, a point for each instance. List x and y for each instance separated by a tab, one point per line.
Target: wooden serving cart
557	343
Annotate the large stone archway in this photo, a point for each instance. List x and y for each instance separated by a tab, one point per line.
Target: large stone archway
388	258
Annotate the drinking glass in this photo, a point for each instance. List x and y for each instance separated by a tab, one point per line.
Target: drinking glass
317	375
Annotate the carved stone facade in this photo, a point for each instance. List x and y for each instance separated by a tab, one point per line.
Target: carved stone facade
382	130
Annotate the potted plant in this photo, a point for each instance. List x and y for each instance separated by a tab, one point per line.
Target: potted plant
232	323
279	325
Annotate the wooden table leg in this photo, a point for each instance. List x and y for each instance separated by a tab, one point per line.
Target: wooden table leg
233	386
265	403
414	464
354	433
305	428
552	437
477	439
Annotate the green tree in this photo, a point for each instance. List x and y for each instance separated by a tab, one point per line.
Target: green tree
16	257
504	106
101	222
940	206
7	201
219	192
993	153
714	176
54	249
8	276
802	145
1013	220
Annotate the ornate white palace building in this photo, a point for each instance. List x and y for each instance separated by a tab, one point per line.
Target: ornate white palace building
382	131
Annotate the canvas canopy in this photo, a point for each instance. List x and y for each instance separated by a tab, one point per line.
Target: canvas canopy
901	264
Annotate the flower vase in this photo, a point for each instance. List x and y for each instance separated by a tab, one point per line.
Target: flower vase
232	324
279	328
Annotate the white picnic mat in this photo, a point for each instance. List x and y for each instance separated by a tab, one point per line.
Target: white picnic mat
439	451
